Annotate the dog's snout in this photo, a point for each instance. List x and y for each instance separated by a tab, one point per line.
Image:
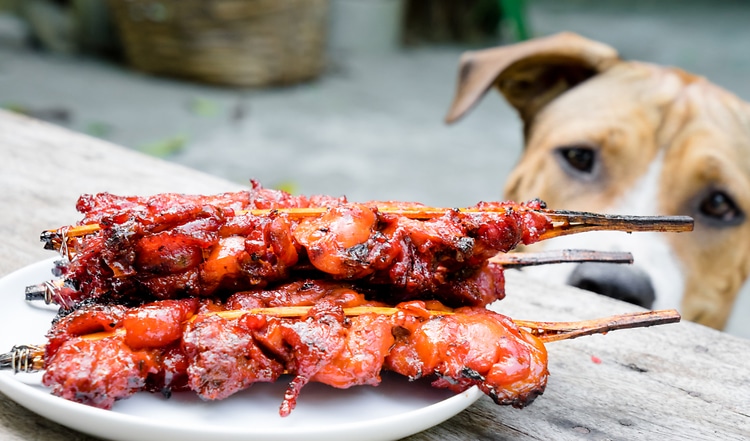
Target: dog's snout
626	283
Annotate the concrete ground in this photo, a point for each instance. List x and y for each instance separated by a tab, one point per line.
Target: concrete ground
370	127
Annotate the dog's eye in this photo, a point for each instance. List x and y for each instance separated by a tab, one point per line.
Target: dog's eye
720	207
579	158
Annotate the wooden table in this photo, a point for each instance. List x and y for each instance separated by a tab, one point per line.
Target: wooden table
679	381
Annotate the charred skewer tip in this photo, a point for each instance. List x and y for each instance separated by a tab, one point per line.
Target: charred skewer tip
556	331
51	239
23	358
571	222
43	291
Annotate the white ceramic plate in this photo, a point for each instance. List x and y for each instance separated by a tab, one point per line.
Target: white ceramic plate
392	410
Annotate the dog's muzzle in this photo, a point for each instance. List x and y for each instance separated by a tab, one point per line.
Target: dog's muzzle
626	283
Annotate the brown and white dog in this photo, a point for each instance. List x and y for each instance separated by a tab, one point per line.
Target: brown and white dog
625	137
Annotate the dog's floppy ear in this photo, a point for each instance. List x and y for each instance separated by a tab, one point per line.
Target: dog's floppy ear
529	74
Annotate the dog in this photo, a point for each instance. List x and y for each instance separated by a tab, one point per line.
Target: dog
607	135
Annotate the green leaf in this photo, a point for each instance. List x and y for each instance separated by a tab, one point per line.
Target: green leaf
165	147
203	107
98	129
16	108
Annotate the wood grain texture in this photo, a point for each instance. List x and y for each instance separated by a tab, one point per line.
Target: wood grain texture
672	382
675	382
45	168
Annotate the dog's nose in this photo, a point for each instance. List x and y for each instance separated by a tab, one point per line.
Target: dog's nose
626	283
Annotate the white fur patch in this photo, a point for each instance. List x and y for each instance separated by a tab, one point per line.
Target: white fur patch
651	252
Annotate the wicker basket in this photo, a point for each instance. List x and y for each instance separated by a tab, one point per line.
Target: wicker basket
229	42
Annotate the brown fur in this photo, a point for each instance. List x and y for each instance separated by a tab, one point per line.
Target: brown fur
571	91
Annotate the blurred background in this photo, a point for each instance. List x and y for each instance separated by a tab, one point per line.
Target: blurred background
325	96
316	96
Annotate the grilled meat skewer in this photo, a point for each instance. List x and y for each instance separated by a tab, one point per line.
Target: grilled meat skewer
325	333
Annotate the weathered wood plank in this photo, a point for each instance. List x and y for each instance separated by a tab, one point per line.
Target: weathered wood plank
44	168
679	381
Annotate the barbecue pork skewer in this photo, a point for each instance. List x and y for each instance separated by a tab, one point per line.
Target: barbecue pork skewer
194	253
564	222
99	354
205	253
49	291
170	246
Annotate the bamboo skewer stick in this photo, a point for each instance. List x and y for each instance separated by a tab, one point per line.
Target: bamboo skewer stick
564	222
30	358
571	222
521	259
546	331
23	358
299	311
45	291
54	236
556	331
